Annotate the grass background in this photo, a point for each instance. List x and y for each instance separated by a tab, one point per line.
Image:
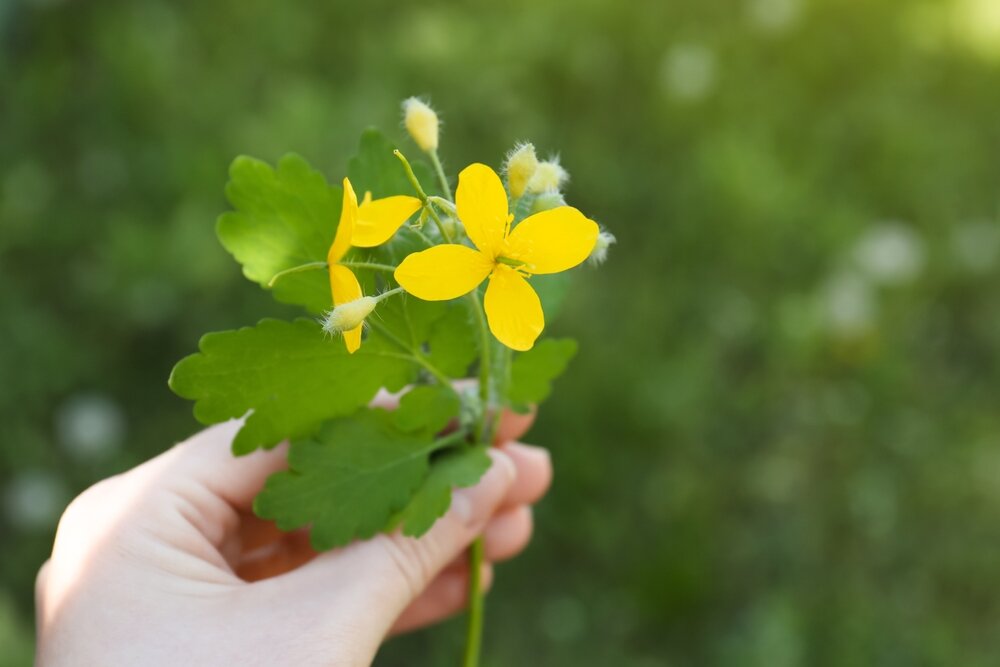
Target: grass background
780	444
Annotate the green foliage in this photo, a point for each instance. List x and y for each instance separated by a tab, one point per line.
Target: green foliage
347	481
288	374
533	372
426	410
456	467
742	481
454	343
375	169
284	218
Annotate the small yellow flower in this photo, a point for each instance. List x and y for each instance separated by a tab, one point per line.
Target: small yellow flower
547	242
370	224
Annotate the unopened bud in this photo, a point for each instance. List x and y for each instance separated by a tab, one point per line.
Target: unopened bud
422	123
520	167
546	201
549	176
349	315
605	240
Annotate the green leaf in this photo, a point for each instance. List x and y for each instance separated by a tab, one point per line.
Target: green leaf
289	375
457	467
454	340
532	372
375	169
426	409
552	290
347	481
282	219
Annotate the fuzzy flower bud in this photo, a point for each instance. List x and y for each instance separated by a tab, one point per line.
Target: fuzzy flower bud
549	177
349	315
547	200
605	240
520	167
422	123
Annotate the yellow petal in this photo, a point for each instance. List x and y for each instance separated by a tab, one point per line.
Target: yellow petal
552	241
482	207
345	288
513	309
443	272
378	220
348	215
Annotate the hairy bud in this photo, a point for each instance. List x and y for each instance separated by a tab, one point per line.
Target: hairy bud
349	315
422	123
520	167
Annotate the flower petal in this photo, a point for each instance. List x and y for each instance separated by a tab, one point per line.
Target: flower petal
344	287
348	215
513	309
552	241
482	207
443	272
378	220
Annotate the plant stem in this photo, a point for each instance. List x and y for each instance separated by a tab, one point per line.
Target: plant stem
483	434
422	196
436	161
415	355
474	629
311	266
369	265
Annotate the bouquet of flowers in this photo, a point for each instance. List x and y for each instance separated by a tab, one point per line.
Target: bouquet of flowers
411	289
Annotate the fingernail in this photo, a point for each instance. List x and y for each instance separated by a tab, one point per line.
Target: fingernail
504	463
464	501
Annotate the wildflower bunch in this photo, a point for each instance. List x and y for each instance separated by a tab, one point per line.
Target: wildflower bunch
413	289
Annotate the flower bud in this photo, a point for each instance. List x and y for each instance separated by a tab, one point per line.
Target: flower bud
549	177
547	200
605	240
349	315
422	123
520	167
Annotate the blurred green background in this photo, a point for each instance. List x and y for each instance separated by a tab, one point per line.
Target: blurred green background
780	444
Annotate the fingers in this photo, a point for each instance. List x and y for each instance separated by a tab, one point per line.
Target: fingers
513	425
446	596
263	551
207	459
507	534
384	575
534	473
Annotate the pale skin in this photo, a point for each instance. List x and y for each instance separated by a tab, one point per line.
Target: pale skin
166	565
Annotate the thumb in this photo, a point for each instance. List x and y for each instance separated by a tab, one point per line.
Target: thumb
364	587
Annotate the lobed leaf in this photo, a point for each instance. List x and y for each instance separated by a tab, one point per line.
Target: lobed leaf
288	376
457	467
347	481
532	372
282	219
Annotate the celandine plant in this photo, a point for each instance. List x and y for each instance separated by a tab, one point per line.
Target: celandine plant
445	287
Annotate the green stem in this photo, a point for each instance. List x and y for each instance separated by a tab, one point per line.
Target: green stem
414	355
311	266
385	295
369	265
422	196
484	434
443	204
474	629
484	365
436	161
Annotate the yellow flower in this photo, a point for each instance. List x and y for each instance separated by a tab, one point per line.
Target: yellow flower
547	242
370	224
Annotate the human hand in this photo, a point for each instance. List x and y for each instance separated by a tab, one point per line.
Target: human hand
166	565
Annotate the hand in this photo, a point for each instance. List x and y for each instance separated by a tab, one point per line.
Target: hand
166	565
